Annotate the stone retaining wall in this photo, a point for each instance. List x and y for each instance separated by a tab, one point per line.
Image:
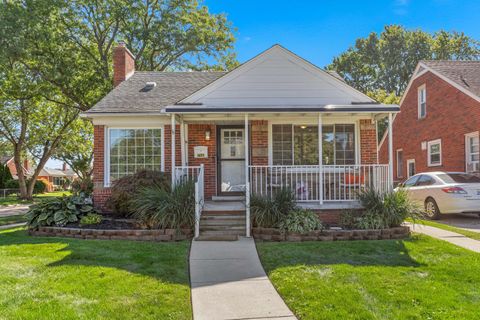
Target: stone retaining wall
137	235
271	234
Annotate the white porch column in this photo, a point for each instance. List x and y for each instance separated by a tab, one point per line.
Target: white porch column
390	152
247	182
172	130
182	141
320	157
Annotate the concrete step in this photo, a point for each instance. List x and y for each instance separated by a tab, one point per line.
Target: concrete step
222	232
228	198
222	222
217	238
222	217
223	228
223	213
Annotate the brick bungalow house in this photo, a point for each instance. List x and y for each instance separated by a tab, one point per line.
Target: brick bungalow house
438	126
8	161
252	130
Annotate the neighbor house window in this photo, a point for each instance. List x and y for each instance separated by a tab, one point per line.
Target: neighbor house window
422	102
132	150
298	144
400	163
434	150
472	152
411	167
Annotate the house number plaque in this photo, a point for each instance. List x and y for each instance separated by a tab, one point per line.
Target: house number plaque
200	152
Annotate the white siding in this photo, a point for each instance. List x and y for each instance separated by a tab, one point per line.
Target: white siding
276	78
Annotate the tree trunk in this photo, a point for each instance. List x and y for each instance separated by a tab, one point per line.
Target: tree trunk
22	183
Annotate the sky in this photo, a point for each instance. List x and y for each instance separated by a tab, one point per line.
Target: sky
320	30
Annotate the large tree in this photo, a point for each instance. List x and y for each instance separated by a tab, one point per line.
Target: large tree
386	61
55	60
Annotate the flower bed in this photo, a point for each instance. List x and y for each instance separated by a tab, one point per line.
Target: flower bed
272	234
114	234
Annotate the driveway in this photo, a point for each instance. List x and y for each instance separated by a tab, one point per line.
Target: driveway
13	211
465	221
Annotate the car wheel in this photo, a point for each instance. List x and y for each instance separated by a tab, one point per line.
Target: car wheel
431	209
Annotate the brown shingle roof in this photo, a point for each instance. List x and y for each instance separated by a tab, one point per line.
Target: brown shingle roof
170	88
463	73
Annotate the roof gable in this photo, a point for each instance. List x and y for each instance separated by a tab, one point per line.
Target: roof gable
276	77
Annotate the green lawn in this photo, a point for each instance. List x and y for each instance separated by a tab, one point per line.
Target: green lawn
12	219
59	278
420	278
466	233
14	200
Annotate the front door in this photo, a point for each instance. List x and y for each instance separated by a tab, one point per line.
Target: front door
231	160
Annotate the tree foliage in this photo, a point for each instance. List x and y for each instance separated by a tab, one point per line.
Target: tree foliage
386	61
55	61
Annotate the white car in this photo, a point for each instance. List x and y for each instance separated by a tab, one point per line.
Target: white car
444	192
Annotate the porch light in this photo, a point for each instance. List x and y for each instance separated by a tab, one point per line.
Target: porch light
303	126
207	134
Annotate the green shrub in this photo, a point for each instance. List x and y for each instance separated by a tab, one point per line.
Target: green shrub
83	186
156	207
268	212
125	189
348	220
301	221
11	184
5	176
386	210
58	211
39	187
91	218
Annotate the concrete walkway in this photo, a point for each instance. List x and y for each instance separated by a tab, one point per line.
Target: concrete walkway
228	282
452	237
13	210
10	226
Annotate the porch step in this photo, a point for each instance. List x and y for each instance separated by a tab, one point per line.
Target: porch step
223	222
223	228
228	198
232	213
222	232
217	238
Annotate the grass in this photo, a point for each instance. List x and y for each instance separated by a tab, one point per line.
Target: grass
59	278
11	200
466	233
419	278
12	219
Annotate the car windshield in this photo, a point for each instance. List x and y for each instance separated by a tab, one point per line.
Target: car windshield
459	178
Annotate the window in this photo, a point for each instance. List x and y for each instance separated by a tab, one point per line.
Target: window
411	167
298	144
422	102
411	182
425	180
434	150
400	163
132	150
472	152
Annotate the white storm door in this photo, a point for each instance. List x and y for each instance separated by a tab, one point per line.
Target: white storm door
231	169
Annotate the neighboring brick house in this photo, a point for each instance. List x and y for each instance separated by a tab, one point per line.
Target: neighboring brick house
8	161
254	128
438	126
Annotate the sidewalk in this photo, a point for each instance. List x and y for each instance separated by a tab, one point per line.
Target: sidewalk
452	237
13	210
228	282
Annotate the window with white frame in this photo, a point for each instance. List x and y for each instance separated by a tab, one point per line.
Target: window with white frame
411	167
399	163
131	150
434	150
298	144
472	152
422	102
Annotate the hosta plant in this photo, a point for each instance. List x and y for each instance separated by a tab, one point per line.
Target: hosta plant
89	219
58	211
301	221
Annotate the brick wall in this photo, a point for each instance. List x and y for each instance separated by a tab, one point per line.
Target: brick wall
167	142
100	193
259	142
196	137
450	115
368	142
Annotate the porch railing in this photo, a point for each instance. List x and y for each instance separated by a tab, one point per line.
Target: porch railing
319	183
196	174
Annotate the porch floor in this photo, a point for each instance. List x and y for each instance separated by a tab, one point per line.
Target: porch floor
211	205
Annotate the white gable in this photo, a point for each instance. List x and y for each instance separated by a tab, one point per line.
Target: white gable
277	77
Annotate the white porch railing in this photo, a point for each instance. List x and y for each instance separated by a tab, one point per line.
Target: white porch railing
196	174
319	183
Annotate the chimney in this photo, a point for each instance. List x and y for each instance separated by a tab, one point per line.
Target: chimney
64	167
123	63
25	165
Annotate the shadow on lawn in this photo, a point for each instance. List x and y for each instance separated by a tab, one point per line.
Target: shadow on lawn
391	253
164	261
